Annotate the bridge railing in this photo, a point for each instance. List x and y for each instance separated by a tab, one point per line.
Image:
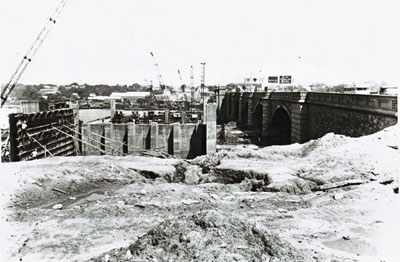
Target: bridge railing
387	103
288	95
373	102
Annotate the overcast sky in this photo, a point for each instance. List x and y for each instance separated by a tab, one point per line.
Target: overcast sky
109	41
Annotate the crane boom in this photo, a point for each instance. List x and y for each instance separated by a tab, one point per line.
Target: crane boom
180	77
160	80
8	88
159	76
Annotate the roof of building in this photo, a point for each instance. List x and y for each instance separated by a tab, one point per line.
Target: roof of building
118	95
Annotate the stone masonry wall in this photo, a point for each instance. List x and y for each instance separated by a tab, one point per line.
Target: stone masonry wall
325	119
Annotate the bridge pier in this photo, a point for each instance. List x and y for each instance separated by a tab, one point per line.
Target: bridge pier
250	114
266	128
299	123
235	113
240	120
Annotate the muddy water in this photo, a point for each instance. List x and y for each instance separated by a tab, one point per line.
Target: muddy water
82	198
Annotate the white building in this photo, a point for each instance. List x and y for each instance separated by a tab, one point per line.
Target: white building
131	96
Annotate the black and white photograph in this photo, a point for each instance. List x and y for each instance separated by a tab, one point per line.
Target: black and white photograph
199	130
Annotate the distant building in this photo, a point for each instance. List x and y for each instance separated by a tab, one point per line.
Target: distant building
98	98
392	90
49	89
73	85
128	96
118	96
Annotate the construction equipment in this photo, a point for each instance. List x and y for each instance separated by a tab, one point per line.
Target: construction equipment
147	83
192	84
8	88
152	96
161	82
159	76
180	77
183	87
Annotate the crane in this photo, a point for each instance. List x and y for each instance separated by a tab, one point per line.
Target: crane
180	77
183	87
159	76
192	83
160	80
8	88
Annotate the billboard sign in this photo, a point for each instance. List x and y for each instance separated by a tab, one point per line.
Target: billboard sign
285	79
273	79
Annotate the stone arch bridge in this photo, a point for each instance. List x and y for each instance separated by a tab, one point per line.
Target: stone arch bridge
296	117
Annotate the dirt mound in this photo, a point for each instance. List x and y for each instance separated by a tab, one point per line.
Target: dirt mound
302	168
206	236
324	143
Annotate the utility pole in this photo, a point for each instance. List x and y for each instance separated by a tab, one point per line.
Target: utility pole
203	79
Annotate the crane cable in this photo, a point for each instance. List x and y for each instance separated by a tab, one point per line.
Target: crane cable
31	52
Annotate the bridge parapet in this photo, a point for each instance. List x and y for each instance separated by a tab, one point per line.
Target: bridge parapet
289	96
370	103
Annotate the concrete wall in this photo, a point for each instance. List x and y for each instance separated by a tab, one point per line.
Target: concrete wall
161	138
211	129
138	137
91	137
116	132
189	140
180	140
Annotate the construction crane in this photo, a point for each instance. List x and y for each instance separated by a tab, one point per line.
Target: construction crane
180	77
8	88
160	80
183	87
192	84
159	76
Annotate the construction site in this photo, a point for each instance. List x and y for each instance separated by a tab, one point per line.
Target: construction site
254	171
162	124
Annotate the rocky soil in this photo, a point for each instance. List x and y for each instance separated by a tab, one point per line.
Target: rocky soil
332	199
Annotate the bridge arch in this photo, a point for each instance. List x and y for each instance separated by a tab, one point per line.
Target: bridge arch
281	127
